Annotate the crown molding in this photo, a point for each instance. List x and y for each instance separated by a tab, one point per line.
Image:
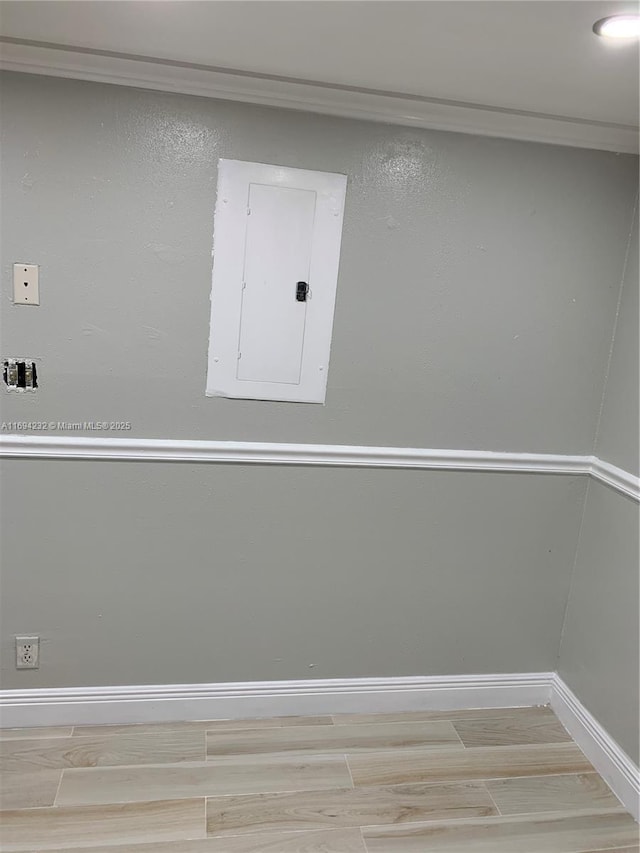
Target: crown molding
330	455
311	96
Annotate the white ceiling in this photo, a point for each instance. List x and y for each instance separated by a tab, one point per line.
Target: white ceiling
526	55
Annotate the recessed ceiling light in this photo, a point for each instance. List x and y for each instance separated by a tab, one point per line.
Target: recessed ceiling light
618	27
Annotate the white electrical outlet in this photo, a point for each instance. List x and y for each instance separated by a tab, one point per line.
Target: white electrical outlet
26	287
27	652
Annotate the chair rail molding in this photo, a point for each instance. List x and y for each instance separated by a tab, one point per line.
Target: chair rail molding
20	446
149	72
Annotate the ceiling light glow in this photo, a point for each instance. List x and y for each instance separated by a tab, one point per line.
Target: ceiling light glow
618	27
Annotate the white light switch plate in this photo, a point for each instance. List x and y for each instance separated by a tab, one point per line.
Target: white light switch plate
26	288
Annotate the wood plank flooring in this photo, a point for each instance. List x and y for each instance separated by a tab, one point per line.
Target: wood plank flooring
486	781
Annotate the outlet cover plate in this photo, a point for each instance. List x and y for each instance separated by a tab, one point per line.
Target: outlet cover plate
27	652
26	286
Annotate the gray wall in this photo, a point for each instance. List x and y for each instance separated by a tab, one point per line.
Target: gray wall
476	302
477	288
619	429
153	573
599	651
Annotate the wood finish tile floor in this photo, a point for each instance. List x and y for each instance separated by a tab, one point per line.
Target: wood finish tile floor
499	781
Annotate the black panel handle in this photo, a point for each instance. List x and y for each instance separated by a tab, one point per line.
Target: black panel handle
302	289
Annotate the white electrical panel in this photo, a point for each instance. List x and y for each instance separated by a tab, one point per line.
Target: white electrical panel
277	235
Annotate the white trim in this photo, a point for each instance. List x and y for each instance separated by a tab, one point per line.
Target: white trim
621	481
290	93
241	700
265	453
264	344
608	758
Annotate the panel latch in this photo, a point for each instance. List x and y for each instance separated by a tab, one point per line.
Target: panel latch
302	289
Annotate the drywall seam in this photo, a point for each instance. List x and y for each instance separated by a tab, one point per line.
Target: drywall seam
583	510
615	325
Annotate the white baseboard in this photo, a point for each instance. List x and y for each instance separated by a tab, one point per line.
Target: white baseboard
609	759
243	700
238	700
